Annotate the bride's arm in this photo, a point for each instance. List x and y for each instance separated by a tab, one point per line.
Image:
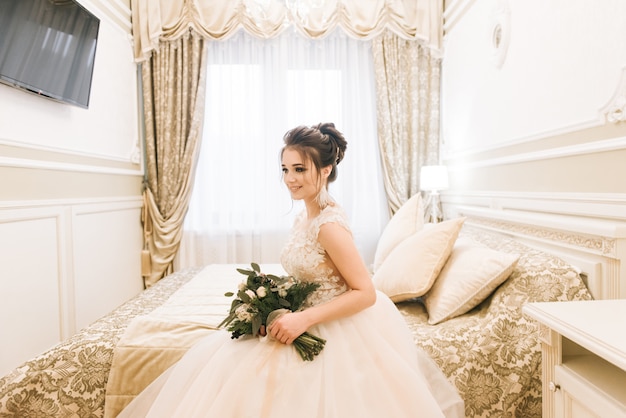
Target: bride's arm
339	245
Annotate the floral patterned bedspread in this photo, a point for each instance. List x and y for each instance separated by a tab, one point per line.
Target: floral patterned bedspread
493	354
69	380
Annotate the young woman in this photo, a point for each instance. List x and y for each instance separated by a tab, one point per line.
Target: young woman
369	367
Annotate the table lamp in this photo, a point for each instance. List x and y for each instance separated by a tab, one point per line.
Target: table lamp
433	178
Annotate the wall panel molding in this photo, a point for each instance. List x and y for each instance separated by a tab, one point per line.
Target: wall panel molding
611	206
29	153
32	272
32	205
613	144
107	239
613	112
64	263
67	166
556	81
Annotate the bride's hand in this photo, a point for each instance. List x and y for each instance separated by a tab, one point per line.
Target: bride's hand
288	327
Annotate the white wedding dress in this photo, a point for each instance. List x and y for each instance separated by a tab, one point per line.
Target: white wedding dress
369	367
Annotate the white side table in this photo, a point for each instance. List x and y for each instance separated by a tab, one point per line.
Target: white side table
583	357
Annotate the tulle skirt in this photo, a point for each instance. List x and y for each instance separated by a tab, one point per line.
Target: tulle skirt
369	367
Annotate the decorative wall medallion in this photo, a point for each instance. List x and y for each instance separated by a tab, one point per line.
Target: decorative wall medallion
499	31
615	110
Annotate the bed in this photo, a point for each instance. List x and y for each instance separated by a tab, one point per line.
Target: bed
491	353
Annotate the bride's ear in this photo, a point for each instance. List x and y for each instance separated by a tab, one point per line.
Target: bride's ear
326	171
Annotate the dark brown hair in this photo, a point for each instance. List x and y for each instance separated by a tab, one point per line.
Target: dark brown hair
322	144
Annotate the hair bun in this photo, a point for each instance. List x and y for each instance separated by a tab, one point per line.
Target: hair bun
336	137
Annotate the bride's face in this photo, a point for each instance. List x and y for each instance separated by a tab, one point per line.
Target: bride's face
299	175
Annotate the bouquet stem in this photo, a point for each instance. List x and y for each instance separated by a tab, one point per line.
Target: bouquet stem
307	344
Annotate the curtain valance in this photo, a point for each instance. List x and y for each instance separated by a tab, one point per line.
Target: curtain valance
157	20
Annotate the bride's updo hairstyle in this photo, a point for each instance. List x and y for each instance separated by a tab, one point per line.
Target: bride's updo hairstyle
321	144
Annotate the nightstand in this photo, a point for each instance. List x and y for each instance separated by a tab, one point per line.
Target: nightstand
583	347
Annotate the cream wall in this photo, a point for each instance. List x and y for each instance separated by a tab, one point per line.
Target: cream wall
70	200
526	125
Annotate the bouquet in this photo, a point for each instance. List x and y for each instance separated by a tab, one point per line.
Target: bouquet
261	299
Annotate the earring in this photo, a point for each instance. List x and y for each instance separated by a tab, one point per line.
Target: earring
323	198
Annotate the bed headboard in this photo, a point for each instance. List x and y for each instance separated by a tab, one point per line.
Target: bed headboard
597	247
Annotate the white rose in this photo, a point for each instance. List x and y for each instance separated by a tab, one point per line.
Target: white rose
261	292
241	286
251	293
242	313
282	293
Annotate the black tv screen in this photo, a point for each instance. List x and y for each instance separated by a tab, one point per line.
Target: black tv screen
48	47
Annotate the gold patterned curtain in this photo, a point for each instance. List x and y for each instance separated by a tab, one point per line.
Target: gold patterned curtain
169	37
156	20
173	93
408	77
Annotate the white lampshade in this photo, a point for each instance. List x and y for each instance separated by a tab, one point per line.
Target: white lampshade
434	177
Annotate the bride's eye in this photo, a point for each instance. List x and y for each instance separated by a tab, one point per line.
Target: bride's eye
300	169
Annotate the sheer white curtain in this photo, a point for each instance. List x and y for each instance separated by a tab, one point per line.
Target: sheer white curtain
258	89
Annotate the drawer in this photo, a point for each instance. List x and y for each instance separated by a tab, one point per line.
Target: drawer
586	390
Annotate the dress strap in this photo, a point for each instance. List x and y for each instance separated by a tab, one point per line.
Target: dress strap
331	214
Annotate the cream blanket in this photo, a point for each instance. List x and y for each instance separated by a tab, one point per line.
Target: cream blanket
153	342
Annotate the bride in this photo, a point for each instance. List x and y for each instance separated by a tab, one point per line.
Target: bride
369	367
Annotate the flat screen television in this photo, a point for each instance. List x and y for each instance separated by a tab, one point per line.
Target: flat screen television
48	47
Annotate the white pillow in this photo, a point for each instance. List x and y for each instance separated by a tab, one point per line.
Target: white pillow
472	273
407	220
411	268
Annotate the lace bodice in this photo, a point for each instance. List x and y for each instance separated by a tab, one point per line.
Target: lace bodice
304	258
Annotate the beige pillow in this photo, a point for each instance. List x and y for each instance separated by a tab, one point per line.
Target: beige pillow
411	268
405	222
472	273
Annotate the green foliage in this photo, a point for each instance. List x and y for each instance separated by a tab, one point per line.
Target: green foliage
259	295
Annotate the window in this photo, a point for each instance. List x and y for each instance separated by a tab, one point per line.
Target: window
256	91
